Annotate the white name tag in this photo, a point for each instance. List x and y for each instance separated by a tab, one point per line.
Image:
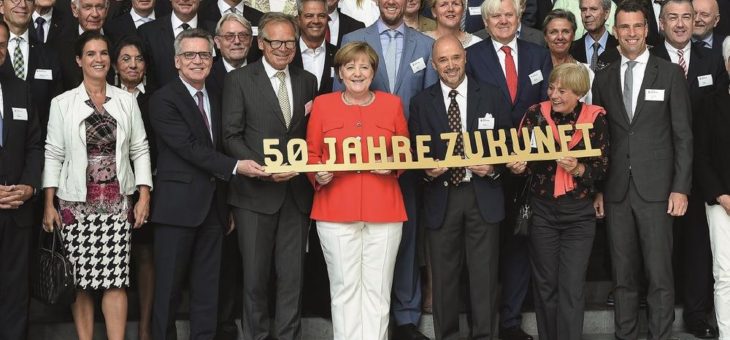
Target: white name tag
536	77
332	72
654	95
418	65
43	74
475	10
20	113
255	31
705	80
486	122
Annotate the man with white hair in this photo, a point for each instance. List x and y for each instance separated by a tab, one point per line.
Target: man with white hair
707	16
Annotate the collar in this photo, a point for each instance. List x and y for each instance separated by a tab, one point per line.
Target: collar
176	22
230	67
673	50
24	36
709	39
314	52
643	58
603	40
223	7
81	30
271	71
46	16
139	87
335	15
519	30
136	17
445	89
193	90
512	44
382	27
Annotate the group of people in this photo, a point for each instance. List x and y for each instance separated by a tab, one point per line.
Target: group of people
136	129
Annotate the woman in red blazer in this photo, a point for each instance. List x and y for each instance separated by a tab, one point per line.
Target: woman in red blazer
359	214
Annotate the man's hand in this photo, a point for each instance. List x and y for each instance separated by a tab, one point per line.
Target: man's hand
231	224
517	167
724	201
13	196
481	170
433	173
251	169
598	205
677	204
283	177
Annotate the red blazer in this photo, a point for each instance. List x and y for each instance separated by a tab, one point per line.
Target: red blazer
355	196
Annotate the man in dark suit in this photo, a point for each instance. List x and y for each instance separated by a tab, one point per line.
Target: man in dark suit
474	197
213	11
270	99
142	12
233	39
652	8
340	23
21	163
38	64
523	32
705	72
159	35
314	54
597	40
496	66
650	172
44	25
190	212
707	16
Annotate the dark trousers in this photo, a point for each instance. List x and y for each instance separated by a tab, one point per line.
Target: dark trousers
514	263
406	301
561	238
195	251
640	232
694	261
229	291
14	258
265	240
464	235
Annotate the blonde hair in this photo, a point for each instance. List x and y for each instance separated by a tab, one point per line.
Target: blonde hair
351	51
572	76
490	6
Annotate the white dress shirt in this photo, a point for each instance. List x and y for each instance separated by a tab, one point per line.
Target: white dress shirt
674	56
139	20
271	73
2	104
224	8
230	67
334	24
206	103
461	102
313	59
81	30
137	89
177	23
46	25
24	47
638	73
498	47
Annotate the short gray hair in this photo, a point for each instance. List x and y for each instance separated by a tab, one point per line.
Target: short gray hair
192	33
689	2
232	17
490	6
559	14
300	5
277	17
606	4
78	5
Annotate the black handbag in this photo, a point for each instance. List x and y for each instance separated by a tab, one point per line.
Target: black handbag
53	280
523	212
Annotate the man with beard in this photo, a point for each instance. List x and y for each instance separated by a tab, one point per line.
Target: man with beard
314	54
233	38
142	12
707	16
591	45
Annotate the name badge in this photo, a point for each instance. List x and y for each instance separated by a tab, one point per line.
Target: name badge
332	72
255	31
307	108
705	80
654	95
20	113
43	74
418	65
475	10
486	122
533	141
536	77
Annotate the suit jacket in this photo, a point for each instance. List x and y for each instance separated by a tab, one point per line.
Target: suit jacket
159	38
416	47
532	60
191	168
21	153
654	38
325	85
56	28
211	12
528	34
429	117
543	8
40	58
120	27
578	48
712	161
347	25
251	113
655	147
71	74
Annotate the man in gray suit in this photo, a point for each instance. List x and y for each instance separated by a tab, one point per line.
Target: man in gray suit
405	77
270	99
649	174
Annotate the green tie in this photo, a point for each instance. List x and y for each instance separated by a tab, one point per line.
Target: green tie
283	95
18	62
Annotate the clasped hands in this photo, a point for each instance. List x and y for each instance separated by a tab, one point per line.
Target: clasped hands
13	196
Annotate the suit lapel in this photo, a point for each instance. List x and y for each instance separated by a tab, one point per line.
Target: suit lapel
215	117
267	91
439	106
297	61
615	70
491	63
524	60
325	85
472	104
32	61
649	77
693	68
296	88
373	39
409	47
190	111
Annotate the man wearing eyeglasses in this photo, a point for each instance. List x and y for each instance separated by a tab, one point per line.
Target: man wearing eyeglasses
233	39
314	54
190	212
270	99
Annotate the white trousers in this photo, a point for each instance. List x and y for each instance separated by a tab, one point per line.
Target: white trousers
719	223
360	260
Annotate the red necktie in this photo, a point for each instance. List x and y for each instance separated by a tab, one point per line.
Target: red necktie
510	72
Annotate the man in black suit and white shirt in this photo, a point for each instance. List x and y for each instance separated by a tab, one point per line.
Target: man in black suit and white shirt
190	212
44	25
142	12
314	54
270	99
340	23
21	163
234	40
650	173
707	16
597	40
213	11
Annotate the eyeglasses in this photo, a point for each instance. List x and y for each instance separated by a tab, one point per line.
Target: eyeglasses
127	59
276	44
231	37
191	55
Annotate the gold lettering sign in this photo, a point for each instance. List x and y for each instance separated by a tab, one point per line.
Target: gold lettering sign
541	141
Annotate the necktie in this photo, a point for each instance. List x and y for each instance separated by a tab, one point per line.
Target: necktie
18	61
629	88
185	26
594	57
390	59
510	72
40	31
233	10
327	36
201	108
454	115
682	63
283	95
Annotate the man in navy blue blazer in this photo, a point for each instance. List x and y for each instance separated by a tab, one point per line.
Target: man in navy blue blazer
707	16
404	76
520	70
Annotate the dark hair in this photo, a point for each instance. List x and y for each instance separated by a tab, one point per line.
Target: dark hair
88	36
129	40
631	6
559	14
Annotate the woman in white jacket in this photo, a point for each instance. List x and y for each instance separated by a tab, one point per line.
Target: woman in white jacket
96	157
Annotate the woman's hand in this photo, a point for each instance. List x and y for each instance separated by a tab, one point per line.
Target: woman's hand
324	177
51	219
142	208
517	167
571	165
383	172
